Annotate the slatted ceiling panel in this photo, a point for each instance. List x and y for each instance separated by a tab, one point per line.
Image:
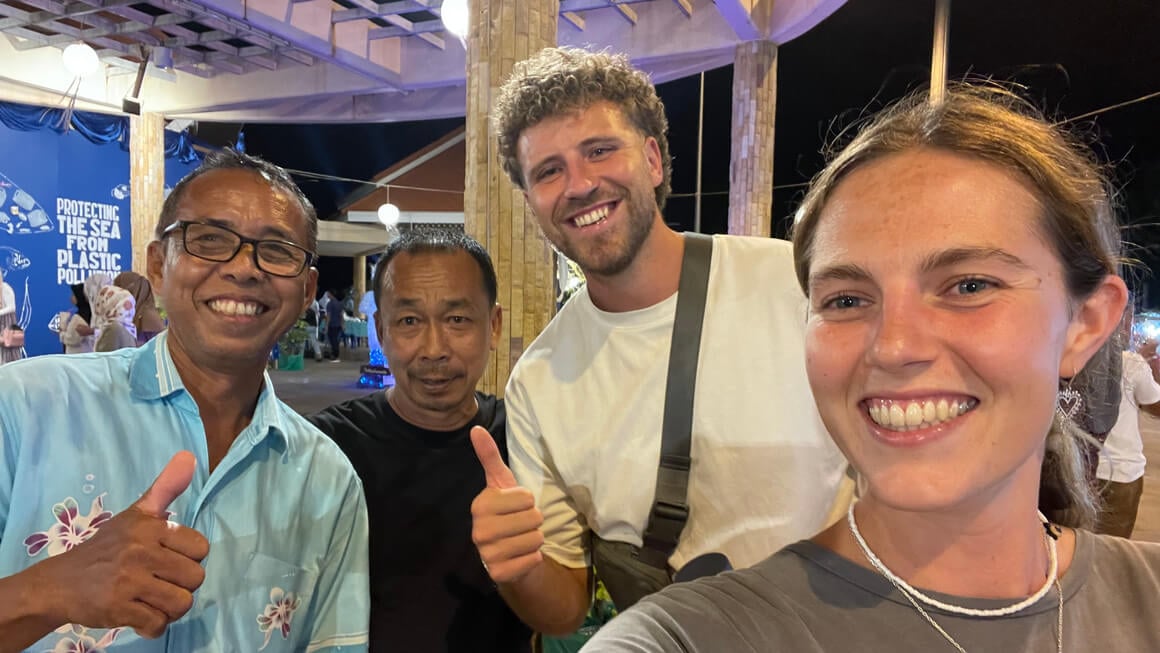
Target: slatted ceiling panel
206	43
203	43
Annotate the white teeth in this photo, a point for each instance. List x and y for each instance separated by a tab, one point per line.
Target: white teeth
914	414
911	415
231	307
897	416
591	217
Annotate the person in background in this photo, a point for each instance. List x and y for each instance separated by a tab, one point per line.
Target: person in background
114	310
147	319
93	285
8	319
76	334
411	446
311	317
1121	466
1147	351
960	257
335	322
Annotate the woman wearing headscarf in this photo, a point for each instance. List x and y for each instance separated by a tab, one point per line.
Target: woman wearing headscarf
8	319
76	332
147	319
113	312
93	285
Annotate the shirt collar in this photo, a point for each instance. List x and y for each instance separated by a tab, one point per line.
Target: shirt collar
153	376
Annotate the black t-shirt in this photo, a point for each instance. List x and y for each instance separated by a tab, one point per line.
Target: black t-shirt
429	591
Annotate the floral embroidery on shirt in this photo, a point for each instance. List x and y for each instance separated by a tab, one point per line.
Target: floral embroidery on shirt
277	615
83	642
71	527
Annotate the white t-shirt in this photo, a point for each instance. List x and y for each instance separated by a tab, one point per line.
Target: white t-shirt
1122	456
585	404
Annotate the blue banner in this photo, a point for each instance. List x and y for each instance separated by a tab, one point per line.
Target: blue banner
64	215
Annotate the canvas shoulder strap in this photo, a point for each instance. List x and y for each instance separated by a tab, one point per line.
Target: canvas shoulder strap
670	508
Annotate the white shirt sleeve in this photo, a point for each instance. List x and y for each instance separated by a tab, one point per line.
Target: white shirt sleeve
1145	390
531	463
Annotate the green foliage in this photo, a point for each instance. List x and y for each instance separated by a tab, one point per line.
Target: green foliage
295	338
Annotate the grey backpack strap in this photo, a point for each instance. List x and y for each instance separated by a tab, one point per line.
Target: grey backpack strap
670	508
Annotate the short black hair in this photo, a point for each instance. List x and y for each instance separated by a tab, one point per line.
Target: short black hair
446	241
231	159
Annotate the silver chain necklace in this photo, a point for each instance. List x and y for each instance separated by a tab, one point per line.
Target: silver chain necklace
911	593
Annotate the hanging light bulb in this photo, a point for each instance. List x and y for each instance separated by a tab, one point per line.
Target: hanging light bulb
456	18
389	215
80	59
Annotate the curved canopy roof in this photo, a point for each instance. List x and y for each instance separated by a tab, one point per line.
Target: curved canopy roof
339	60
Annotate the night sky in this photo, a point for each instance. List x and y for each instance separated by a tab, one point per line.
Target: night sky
1074	56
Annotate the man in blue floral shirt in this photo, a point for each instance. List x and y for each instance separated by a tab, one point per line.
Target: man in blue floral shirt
162	498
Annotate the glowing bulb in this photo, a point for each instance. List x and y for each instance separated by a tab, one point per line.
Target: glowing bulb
80	59
456	18
389	215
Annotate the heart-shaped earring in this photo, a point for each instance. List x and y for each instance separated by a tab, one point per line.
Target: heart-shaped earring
1069	402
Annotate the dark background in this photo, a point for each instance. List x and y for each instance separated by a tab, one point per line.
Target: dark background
1074	57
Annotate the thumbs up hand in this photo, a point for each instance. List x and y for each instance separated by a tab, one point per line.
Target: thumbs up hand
137	571
505	521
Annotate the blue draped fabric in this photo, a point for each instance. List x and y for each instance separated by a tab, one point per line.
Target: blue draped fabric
96	127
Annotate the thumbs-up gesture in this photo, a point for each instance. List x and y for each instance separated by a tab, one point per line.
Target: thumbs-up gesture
138	570
505	521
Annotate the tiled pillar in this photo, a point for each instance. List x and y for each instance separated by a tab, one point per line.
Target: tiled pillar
146	181
751	163
502	33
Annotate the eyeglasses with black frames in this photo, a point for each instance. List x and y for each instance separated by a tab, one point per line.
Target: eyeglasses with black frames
212	242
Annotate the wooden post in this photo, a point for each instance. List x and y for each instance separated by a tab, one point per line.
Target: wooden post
751	162
146	181
502	33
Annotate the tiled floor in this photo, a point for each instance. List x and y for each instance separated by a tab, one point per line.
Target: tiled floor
321	384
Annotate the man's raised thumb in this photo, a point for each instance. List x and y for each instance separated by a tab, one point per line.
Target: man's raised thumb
170	483
497	473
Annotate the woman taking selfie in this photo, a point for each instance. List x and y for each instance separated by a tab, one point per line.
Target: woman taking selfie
960	260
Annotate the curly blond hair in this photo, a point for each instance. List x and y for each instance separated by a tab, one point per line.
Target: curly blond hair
563	80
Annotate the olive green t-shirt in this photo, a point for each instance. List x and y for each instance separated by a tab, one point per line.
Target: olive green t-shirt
807	599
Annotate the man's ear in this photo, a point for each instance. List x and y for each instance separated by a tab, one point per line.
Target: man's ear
155	255
1093	322
652	155
496	325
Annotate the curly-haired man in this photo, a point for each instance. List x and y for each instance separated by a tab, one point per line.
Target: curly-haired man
583	135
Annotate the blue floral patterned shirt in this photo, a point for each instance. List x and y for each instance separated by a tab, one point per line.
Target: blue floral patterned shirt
83	436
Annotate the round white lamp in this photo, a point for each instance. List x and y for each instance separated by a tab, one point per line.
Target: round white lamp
455	17
388	215
80	59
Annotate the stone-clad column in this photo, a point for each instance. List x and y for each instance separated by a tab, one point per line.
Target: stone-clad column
502	33
360	279
751	163
146	182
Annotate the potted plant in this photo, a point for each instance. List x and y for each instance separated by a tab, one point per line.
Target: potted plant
292	346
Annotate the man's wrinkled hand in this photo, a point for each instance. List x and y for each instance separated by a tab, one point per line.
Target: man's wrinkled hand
139	570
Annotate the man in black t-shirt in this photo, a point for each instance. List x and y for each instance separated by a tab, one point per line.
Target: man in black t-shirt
437	320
